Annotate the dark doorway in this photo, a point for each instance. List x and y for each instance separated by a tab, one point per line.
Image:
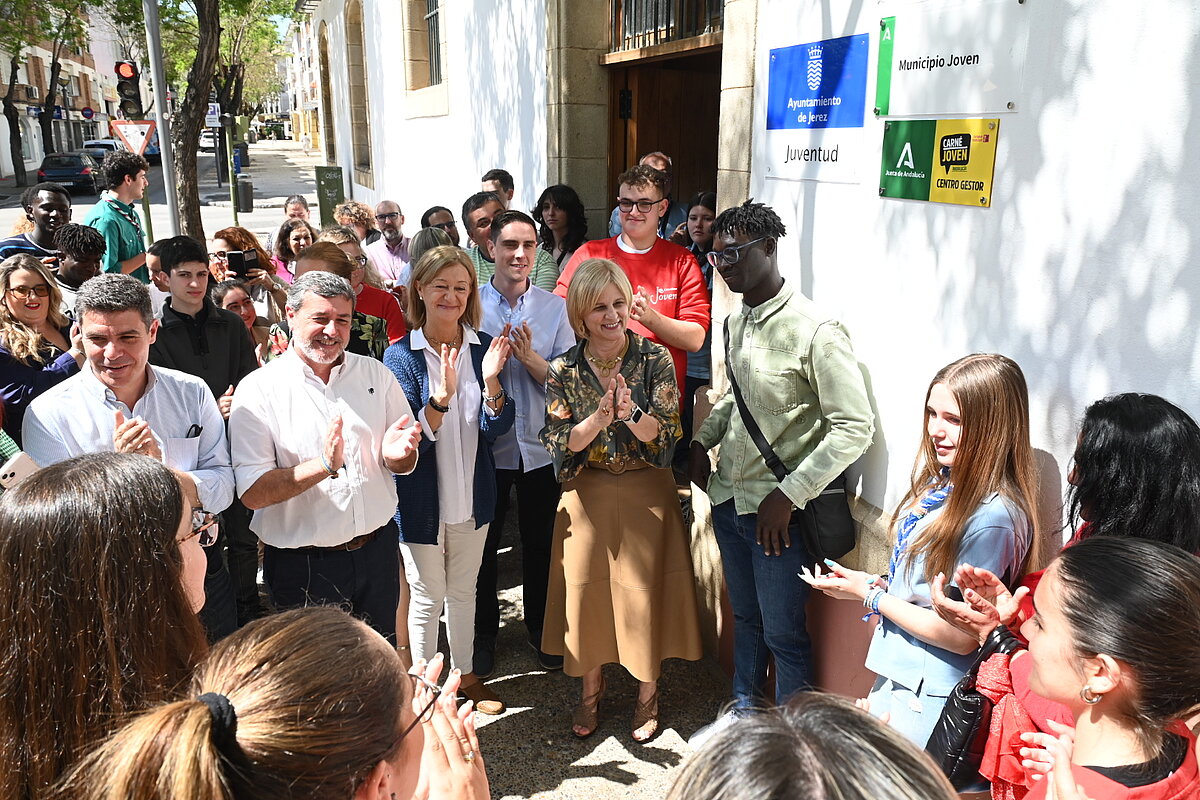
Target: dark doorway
670	104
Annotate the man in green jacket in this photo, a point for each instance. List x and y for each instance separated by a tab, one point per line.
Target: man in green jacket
117	219
803	386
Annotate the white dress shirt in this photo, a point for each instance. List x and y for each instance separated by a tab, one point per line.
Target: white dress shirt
546	315
78	416
459	432
280	415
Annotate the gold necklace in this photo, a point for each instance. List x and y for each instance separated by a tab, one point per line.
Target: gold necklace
606	364
437	343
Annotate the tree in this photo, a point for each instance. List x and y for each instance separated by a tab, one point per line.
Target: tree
19	26
66	30
250	48
189	118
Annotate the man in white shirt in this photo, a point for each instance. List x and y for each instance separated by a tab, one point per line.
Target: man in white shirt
535	320
317	435
120	403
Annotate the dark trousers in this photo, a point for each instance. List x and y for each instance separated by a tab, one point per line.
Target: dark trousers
219	614
365	582
537	502
243	562
687	413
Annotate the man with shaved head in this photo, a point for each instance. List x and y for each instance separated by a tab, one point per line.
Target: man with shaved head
389	253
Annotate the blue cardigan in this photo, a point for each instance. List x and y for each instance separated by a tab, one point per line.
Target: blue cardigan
417	512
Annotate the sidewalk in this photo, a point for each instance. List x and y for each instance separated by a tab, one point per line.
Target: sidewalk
530	751
278	170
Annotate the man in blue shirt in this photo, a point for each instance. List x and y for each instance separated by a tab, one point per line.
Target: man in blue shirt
535	320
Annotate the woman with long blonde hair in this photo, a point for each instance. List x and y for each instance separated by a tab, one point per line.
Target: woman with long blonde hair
971	499
37	347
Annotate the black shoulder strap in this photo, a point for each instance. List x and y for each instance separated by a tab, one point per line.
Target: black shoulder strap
768	453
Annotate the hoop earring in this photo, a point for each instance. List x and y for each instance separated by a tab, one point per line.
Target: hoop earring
1091	699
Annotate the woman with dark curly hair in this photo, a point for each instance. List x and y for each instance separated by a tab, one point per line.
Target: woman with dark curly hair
562	222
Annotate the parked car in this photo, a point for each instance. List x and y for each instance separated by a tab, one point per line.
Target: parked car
76	169
208	140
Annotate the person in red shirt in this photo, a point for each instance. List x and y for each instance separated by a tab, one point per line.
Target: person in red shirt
670	302
371	299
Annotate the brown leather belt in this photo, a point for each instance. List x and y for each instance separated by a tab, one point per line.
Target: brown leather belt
617	467
356	543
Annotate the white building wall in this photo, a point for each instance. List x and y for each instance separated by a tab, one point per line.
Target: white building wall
495	75
1085	270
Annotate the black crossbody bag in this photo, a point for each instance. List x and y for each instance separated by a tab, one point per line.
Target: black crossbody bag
825	520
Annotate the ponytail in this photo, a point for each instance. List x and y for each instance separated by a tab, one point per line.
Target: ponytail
168	752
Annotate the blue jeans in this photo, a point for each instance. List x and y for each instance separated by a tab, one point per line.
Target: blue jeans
768	598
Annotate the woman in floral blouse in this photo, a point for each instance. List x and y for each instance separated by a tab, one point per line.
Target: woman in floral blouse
621	585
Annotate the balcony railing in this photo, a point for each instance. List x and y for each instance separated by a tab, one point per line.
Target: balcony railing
644	23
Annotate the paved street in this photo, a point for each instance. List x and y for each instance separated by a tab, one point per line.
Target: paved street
530	750
279	169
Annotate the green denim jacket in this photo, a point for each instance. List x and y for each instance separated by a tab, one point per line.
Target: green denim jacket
802	383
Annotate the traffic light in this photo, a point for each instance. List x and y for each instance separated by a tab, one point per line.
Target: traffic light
129	90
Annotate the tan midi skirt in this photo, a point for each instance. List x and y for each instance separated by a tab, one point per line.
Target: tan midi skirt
621	585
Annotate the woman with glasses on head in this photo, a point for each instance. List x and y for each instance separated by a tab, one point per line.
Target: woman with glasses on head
37	346
366	282
268	292
101	578
309	704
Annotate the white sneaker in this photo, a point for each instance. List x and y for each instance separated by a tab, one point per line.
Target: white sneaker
697	739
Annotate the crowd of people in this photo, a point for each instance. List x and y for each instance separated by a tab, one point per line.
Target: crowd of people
353	410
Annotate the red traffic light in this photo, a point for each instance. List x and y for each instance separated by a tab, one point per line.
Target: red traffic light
127	70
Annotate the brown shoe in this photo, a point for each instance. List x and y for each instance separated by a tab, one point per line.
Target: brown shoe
486	701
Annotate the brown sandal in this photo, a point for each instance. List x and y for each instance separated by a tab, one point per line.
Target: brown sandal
645	719
587	714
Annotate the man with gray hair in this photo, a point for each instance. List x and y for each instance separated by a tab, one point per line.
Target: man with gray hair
119	403
317	435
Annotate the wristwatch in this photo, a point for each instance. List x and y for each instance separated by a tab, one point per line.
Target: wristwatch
438	407
635	416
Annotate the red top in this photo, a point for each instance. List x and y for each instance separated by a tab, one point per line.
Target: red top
669	274
379	303
1183	784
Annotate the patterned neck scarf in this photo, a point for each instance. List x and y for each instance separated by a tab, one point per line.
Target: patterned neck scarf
129	215
932	499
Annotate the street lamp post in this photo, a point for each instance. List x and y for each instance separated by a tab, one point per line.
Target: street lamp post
154	49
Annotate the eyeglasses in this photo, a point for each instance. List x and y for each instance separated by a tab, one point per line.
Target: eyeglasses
422	686
41	290
444	225
387	217
359	261
220	255
730	255
642	205
204	525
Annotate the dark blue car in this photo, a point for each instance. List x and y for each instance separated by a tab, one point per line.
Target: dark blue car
76	169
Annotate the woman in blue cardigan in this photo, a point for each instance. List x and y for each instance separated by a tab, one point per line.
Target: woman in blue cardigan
451	372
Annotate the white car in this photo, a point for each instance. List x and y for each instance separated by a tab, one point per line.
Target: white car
208	140
99	148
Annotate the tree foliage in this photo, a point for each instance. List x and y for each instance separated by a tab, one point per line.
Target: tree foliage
19	26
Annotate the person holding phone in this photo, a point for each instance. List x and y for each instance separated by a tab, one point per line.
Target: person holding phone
235	252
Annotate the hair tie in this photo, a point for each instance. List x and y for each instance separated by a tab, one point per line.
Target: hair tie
224	735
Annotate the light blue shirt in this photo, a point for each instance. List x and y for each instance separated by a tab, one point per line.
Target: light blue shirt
996	538
78	416
546	315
